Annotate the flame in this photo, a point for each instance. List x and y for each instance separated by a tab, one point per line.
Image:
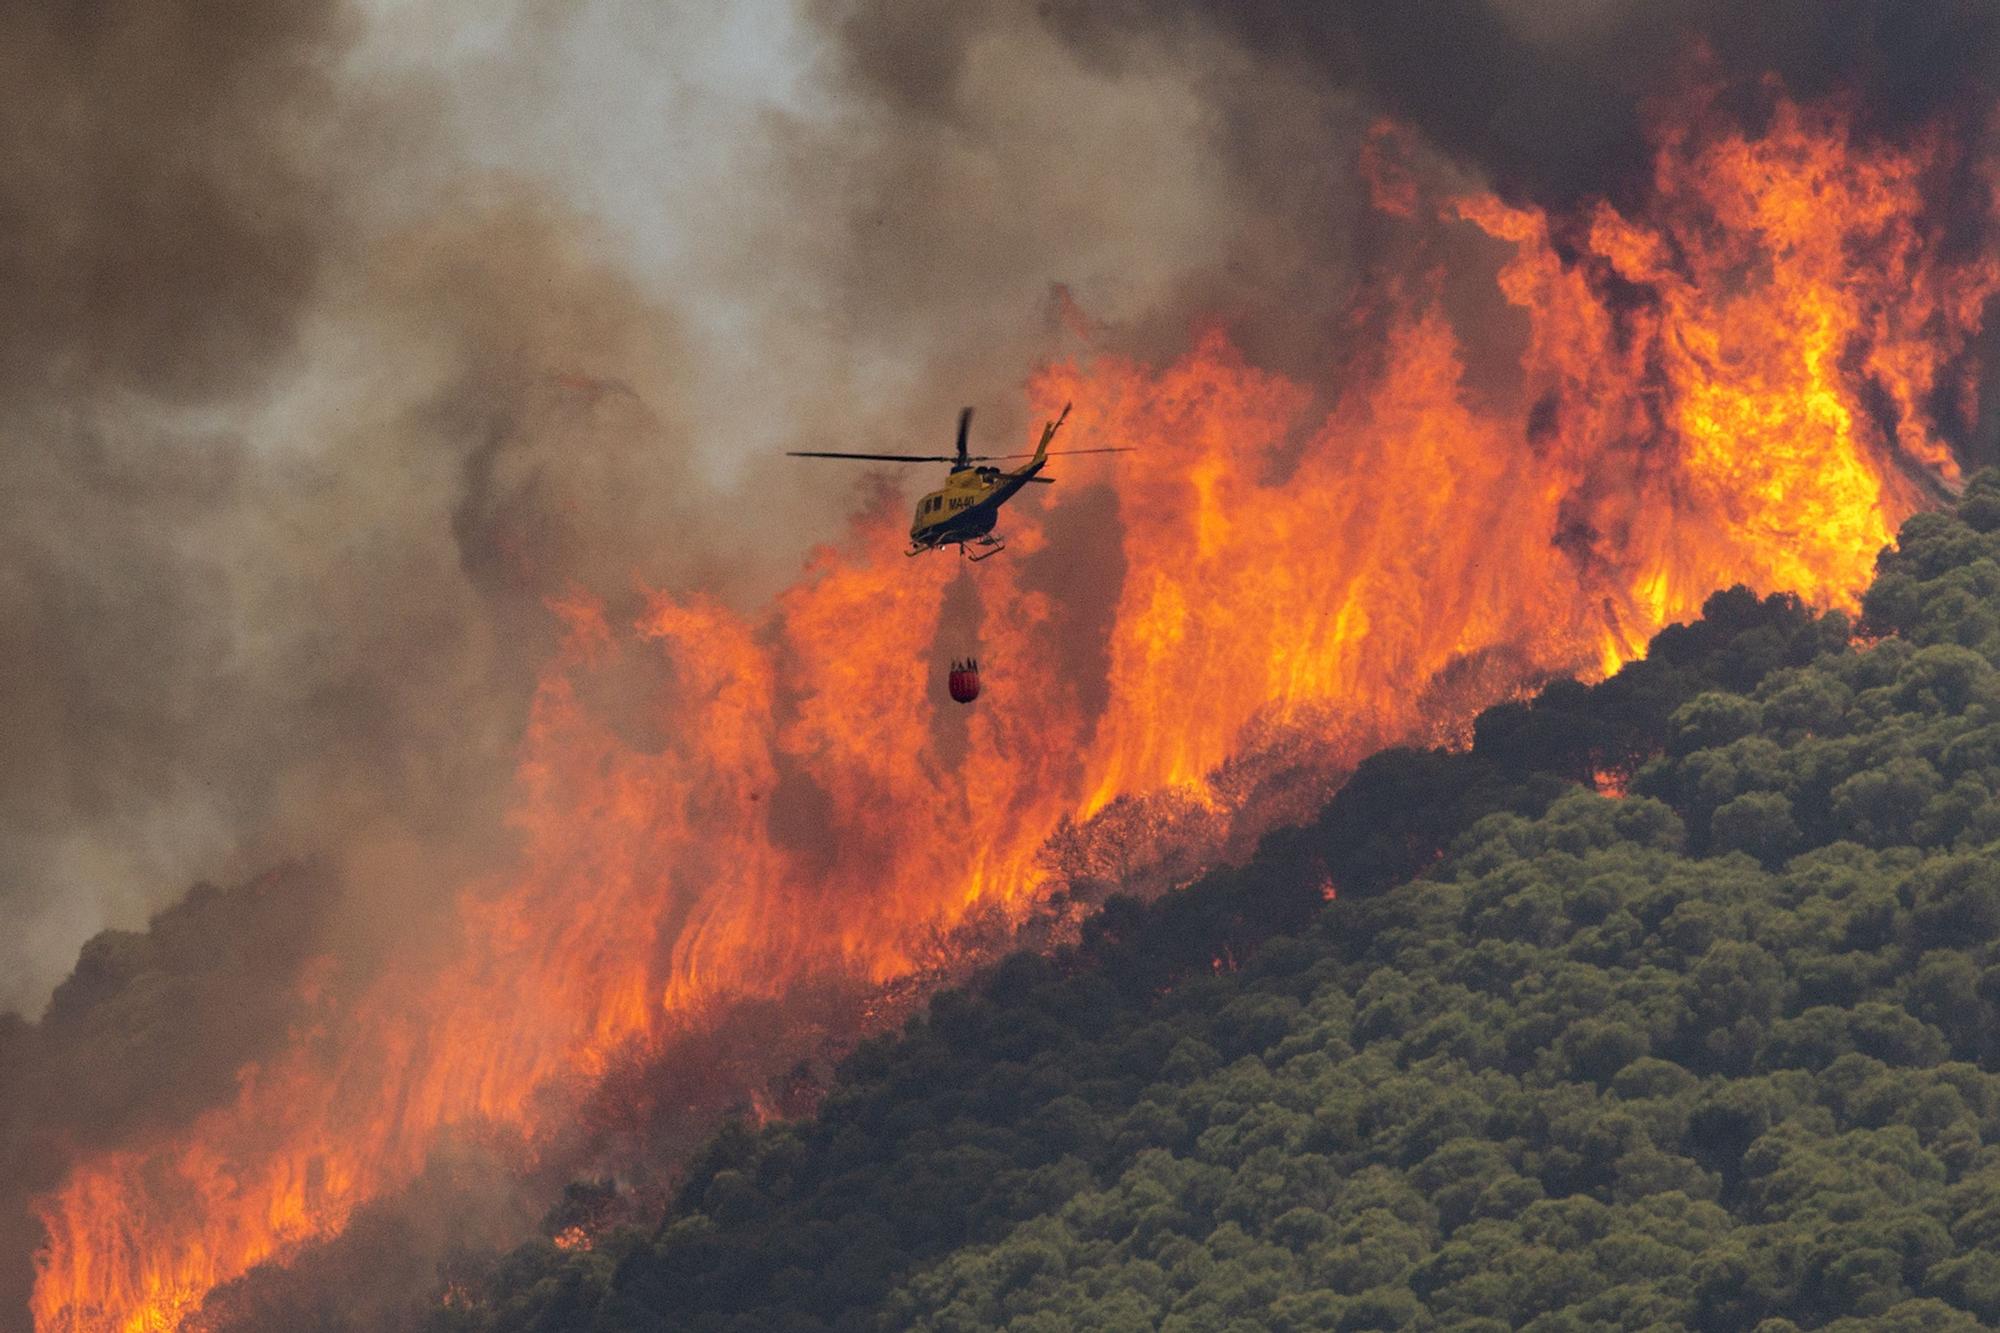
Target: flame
1740	385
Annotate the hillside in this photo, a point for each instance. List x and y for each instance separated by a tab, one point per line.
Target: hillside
1713	1052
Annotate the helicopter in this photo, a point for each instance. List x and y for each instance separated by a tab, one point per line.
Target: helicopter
964	513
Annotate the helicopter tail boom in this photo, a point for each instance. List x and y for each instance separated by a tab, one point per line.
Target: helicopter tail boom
1048	433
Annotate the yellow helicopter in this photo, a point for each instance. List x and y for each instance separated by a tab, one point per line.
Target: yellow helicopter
964	512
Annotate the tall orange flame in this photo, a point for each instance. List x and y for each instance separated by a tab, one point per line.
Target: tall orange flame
1738	386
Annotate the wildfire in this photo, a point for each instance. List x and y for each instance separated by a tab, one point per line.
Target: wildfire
1739	385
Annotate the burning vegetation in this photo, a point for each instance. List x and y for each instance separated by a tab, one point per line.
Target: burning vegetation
1750	368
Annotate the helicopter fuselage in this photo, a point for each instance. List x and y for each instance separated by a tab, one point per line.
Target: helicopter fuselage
968	506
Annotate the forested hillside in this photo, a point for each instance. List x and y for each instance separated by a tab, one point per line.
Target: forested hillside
1716	1052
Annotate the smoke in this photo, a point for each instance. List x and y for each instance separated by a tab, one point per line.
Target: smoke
1548	101
164	239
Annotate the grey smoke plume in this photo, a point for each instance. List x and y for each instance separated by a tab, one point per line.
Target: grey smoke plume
1547	100
163	240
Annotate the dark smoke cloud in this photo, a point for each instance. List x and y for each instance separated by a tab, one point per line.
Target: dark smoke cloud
1548	100
163	235
162	228
1266	236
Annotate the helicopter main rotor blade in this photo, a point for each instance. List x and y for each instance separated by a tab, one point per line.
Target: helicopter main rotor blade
1053	453
873	458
